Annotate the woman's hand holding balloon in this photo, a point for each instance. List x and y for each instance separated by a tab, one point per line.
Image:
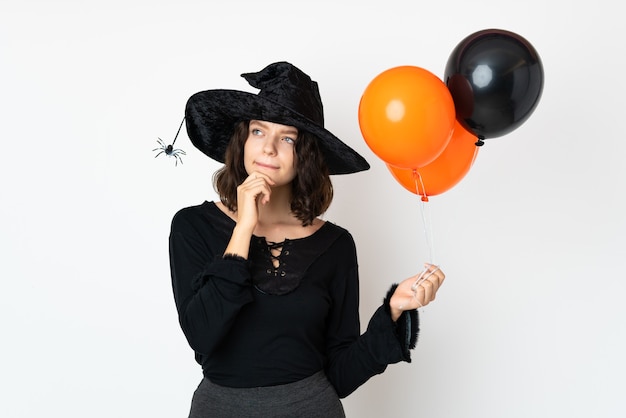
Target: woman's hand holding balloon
417	291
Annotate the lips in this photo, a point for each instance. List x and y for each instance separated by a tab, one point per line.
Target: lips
265	165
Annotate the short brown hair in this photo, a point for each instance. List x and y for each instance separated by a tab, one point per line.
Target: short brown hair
312	190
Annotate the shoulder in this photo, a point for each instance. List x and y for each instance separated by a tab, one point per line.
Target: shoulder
205	220
185	214
339	236
192	217
336	229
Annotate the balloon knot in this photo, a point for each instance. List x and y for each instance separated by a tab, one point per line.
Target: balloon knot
424	199
480	141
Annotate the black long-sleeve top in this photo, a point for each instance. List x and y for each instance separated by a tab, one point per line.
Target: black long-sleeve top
251	324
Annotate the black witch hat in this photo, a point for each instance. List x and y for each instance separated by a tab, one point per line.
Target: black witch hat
287	96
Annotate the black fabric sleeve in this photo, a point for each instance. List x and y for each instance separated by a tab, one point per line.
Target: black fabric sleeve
209	290
354	358
406	327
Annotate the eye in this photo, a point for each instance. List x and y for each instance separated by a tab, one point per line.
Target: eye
289	140
255	131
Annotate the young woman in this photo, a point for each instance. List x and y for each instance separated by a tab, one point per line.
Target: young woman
267	293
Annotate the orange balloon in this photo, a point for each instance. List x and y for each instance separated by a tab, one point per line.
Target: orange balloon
406	116
445	171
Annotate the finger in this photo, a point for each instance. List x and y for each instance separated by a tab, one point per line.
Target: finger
428	287
420	296
431	269
257	175
256	185
418	280
260	186
440	278
436	272
424	275
435	281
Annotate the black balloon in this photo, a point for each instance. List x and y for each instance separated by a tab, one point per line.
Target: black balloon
495	78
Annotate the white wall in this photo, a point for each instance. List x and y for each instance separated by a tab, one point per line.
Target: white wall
530	322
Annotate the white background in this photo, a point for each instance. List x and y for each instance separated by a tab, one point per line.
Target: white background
530	322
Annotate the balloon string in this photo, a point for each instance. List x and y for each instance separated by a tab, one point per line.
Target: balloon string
428	231
425	216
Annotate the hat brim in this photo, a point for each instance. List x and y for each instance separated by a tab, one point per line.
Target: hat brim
211	117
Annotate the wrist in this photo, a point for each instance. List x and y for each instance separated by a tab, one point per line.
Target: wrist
395	312
391	304
239	243
243	230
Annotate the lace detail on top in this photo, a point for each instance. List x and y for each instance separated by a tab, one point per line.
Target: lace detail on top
277	268
275	250
271	261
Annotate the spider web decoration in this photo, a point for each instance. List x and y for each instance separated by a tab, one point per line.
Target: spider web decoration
169	150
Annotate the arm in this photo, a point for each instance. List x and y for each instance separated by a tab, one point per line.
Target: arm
354	358
211	281
209	290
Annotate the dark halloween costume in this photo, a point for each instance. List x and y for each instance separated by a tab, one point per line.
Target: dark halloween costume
253	325
285	340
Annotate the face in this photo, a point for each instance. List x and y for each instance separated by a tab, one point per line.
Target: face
270	149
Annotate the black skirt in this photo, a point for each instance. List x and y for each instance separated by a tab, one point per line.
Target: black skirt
307	398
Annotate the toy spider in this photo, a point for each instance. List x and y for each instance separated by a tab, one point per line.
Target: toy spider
169	150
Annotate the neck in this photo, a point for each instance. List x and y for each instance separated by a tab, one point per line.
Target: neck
278	209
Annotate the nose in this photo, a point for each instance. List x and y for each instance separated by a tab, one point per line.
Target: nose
269	147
